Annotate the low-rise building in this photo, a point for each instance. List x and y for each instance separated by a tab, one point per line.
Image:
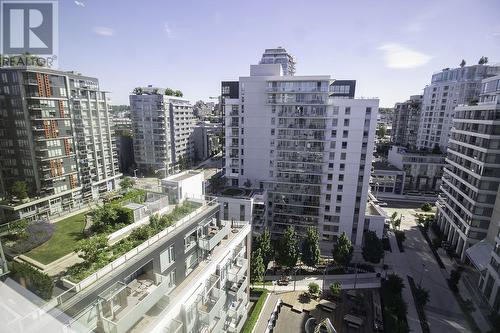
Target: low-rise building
386	179
422	170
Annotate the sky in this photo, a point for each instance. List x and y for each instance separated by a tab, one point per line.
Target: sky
391	48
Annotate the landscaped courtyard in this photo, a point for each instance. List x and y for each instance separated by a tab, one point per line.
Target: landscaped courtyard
64	240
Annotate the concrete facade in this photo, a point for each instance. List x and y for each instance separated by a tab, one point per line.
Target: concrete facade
422	170
448	88
472	173
163	131
308	145
405	122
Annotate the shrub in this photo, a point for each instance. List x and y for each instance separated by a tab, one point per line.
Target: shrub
335	289
313	289
254	315
426	207
36	234
37	282
142	234
421	296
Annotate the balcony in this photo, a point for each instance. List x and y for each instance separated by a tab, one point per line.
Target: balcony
214	236
211	307
121	306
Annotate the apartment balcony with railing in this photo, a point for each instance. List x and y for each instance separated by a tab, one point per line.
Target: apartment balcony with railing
214	235
210	307
121	306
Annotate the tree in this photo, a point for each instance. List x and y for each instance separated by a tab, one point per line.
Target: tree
310	248
91	249
394	216
483	60
373	249
342	251
462	63
382	131
287	252
19	189
264	245
313	289
155	222
257	266
137	91
19	228
421	296
127	183
426	207
169	92
178	93
394	283
335	289
103	216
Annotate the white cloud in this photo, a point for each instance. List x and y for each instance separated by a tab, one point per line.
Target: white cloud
168	31
104	31
400	57
79	3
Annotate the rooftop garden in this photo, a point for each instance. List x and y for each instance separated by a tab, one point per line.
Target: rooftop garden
96	253
63	241
47	242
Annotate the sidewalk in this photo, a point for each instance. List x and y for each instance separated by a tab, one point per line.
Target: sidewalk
398	262
442	311
265	314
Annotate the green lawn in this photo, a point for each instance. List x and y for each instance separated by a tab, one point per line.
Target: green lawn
67	233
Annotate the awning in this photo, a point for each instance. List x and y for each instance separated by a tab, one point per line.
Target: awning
480	254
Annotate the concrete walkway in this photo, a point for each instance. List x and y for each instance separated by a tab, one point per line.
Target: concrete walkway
443	312
265	314
397	262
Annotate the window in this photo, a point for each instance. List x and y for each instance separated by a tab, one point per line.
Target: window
337	209
330	176
346	122
368	110
330	165
242	212
334	133
344	144
348	110
345	134
341	177
342	156
340	188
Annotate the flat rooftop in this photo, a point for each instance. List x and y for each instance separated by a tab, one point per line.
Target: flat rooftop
182	176
383	165
239	192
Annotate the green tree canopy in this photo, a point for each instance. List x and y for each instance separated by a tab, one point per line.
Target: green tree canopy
335	289
264	244
310	248
19	189
127	183
287	252
373	249
342	251
91	249
257	266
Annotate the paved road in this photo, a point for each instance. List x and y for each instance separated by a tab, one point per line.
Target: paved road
443	312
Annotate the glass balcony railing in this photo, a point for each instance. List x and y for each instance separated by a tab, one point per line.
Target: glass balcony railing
214	236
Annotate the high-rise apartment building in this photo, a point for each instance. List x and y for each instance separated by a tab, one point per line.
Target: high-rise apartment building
309	143
472	172
448	88
56	136
279	56
163	130
405	122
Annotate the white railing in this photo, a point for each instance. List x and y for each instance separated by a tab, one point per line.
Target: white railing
128	256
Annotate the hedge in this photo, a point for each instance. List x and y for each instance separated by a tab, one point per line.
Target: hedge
37	282
254	315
